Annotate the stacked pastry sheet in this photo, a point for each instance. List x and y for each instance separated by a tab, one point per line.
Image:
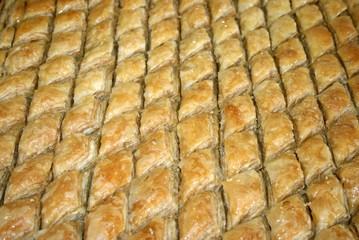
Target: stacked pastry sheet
190	119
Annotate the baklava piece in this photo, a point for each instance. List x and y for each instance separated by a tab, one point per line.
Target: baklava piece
16	12
25	56
72	230
64	199
253	229
223	29
13	113
66	43
354	88
339	231
107	220
262	67
100	56
298	85
194	43
67	5
159	228
290	55
198	132
289	219
221	8
269	98
349	176
49	71
33	29
133	4
315	158
70	21
202	217
124	97
160	148
240	153
20	219
250	186
6	37
8	143
257	41
161	10
285	177
194	18
344	30
332	8
319	41
131	42
251	19
246	4
335	102
101	12
162	56
129	20
158	189
75	152
327	69
238	114
40	8
199	172
50	98
39	136
276	9
164	31
85	117
37	173
349	55
327	203
278	135
99	33
119	133
229	53
282	29
131	69
300	3
308	17
161	84
161	114
110	174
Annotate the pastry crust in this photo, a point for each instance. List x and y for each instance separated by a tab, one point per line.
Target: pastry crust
246	4
16	12
199	172
124	97
107	220
68	5
290	219
39	8
194	43
66	43
132	42
184	5
276	9
104	10
158	228
162	56
158	189
39	136
262	67
202	217
49	71
350	57
129	20
25	56
229	53
198	132
238	114
110	174
290	55
8	143
240	157
332	8
285	177
161	10
319	41
100	56
300	3
251	19
308	16
307	118
68	230
33	29
64	199
194	18
353	85
37	173
224	29
251	187
119	133
99	33
221	8
161	114
13	113
282	29
164	31
50	98
160	148
231	82
327	203
3	55
344	30
6	37
85	117
133	4
20	219
277	135
70	21
253	229
355	222
257	41
131	69
336	232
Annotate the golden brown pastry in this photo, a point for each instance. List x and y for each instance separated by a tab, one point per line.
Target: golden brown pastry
194	43
152	194
164	31
240	153
262	67
161	114
336	232
50	98
350	57
8	143
327	202
131	69
184	5
119	133
158	228
129	20
257	41
353	85
49	71
12	113
124	97
133	4
202	217
199	172
253	229
355	222
16	12
68	230
251	19
238	114
29	178
6	37
276	9
315	158
161	84
132	42
246	4
100	56
3	54
298	85
4	176
25	56
282	29
110	174
161	10
33	29
39	136
99	33
229	53
290	55
108	220
20	219
64	199
104	10
250	186
67	5
278	136
85	117
308	16
289	219
300	3
332	8
221	8
65	43
70	21
319	41
285	177
162	56
344	30
197	132
39	7
224	29
194	18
